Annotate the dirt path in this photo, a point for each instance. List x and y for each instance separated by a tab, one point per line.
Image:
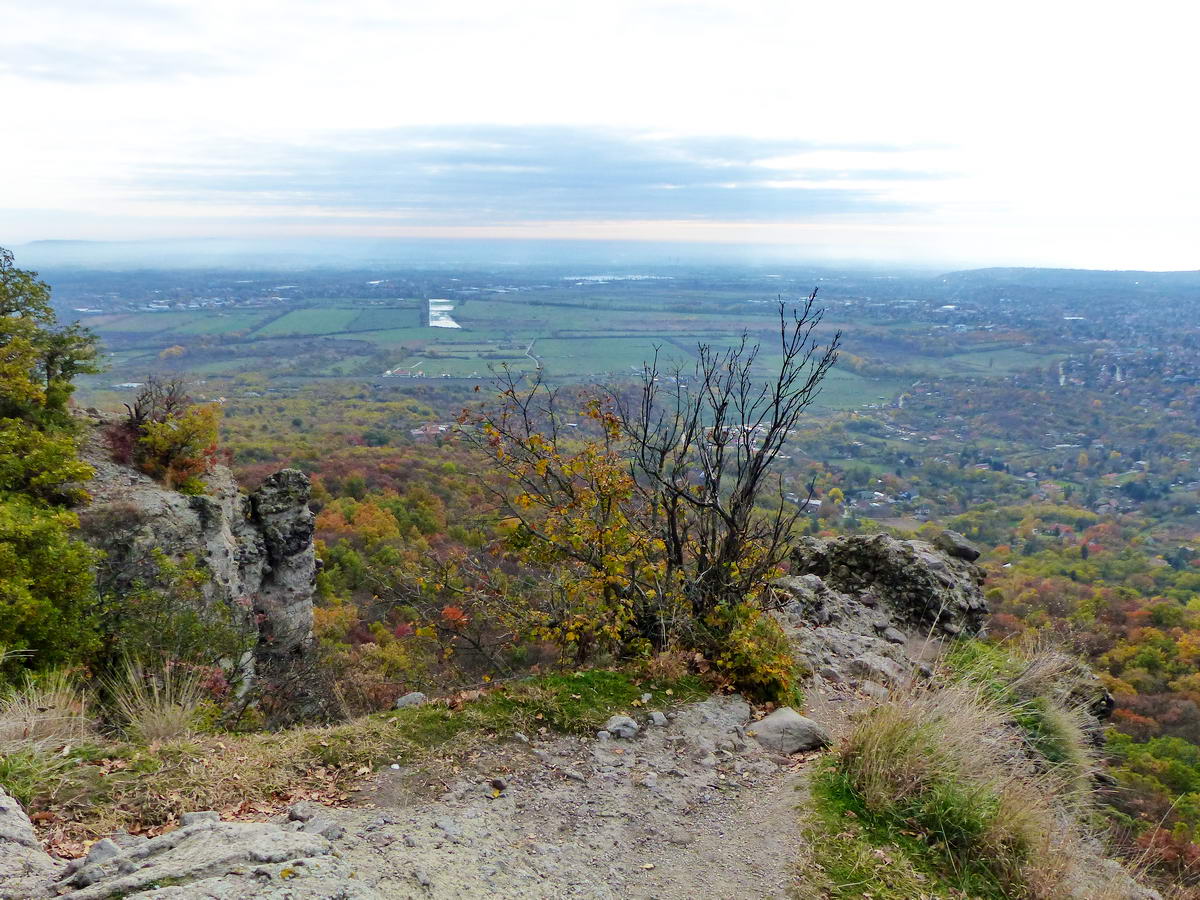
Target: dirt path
691	808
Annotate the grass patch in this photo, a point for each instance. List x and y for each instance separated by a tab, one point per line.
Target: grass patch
854	853
96	789
1033	686
934	783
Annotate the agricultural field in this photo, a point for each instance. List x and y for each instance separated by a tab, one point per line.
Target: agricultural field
568	330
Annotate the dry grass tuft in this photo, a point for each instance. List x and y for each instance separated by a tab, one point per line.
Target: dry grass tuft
946	761
43	710
154	706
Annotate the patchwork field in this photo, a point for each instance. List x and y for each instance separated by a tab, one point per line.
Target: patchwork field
586	333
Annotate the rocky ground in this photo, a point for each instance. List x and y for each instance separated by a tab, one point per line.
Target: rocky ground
698	802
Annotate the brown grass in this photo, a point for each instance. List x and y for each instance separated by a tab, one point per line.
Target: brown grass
44	710
948	761
156	705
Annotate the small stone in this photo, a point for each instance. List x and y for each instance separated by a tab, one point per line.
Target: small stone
877	668
658	719
416	698
622	727
331	831
103	850
786	731
603	736
894	635
410	841
450	829
646	698
303	811
830	674
874	691
574	774
422	879
193	818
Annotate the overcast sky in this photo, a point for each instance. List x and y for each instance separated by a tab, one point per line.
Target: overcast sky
1049	133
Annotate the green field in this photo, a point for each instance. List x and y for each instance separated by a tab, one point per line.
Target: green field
310	321
596	332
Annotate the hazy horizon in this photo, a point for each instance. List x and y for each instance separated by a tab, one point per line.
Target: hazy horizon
935	134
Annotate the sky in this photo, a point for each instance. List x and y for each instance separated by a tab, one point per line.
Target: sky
1050	133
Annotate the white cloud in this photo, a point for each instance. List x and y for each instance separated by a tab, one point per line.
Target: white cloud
1065	129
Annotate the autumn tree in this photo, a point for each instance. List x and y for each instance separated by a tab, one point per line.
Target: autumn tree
46	585
658	516
168	436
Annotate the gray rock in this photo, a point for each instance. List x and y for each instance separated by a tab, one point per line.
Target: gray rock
622	727
218	859
877	668
331	831
416	698
874	691
786	731
15	826
207	815
303	811
25	869
257	550
101	851
658	719
894	636
954	544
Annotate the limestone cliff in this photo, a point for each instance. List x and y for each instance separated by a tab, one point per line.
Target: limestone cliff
257	547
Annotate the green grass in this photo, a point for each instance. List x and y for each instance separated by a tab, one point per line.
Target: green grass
851	853
383	318
309	322
1010	681
222	323
152	322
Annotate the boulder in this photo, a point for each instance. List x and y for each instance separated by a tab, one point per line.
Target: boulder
786	731
912	582
415	698
954	544
622	727
222	860
257	548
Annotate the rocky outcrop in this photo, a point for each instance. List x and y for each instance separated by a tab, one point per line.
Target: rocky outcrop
257	548
859	608
24	869
205	860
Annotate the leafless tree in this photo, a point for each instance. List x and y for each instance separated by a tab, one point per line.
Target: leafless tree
698	443
703	447
157	401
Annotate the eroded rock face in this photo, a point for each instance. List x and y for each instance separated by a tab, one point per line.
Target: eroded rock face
858	608
911	581
25	870
206	860
258	548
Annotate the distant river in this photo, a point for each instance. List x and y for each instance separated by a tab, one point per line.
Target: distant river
439	314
